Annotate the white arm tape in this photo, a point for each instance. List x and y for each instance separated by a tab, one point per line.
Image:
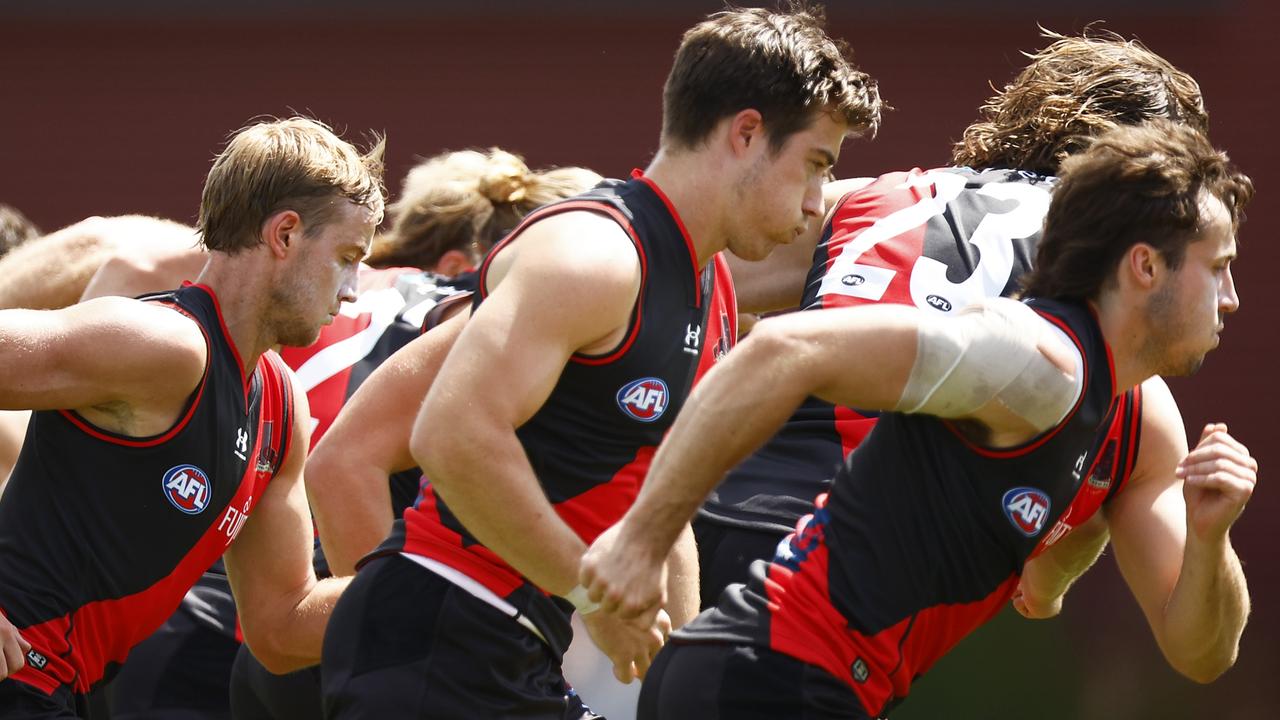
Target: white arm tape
991	351
578	597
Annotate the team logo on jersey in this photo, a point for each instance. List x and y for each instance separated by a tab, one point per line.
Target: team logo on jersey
939	302
644	399
188	488
1027	508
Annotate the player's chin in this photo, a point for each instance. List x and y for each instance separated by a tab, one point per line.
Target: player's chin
302	336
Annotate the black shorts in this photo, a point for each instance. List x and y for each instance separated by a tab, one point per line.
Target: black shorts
715	681
405	642
183	671
257	694
725	552
20	701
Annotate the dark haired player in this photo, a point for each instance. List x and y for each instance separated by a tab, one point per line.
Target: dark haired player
995	423
592	321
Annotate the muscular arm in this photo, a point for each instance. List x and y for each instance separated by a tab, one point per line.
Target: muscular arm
800	354
518	341
824	354
347	474
1170	531
127	365
283	608
682	578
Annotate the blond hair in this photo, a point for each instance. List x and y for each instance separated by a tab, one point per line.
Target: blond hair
294	164
468	200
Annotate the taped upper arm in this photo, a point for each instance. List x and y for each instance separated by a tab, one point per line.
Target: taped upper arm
993	359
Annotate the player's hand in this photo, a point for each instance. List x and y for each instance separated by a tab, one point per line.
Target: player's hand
623	577
630	644
13	649
1218	479
1033	608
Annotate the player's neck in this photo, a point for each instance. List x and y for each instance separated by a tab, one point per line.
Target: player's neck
1123	324
240	286
693	183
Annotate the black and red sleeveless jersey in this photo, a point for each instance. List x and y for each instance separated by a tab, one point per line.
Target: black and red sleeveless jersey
924	534
591	442
102	534
939	240
394	306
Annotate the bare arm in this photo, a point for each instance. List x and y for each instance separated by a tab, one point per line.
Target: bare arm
58	359
283	608
682	578
800	354
348	471
1170	530
520	339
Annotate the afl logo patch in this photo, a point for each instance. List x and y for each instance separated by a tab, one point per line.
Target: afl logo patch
644	399
1027	508
188	488
853	280
939	302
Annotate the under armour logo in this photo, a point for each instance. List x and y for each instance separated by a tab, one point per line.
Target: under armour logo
242	443
692	336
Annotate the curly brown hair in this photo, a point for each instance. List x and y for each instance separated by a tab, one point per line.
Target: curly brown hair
1074	89
1140	184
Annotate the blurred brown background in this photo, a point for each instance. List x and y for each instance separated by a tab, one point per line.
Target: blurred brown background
109	108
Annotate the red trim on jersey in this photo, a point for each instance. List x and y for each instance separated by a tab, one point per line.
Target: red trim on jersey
226	334
638	174
588	514
860	210
594	511
596	206
427	535
1030	445
1133	442
80	645
804	624
116	439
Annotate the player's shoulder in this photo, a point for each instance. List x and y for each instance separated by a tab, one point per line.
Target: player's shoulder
156	321
575	246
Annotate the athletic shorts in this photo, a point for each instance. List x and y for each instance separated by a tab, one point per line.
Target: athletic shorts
404	642
20	701
720	681
183	672
725	552
257	694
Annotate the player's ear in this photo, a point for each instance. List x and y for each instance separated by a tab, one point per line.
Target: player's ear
280	231
1144	265
746	132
